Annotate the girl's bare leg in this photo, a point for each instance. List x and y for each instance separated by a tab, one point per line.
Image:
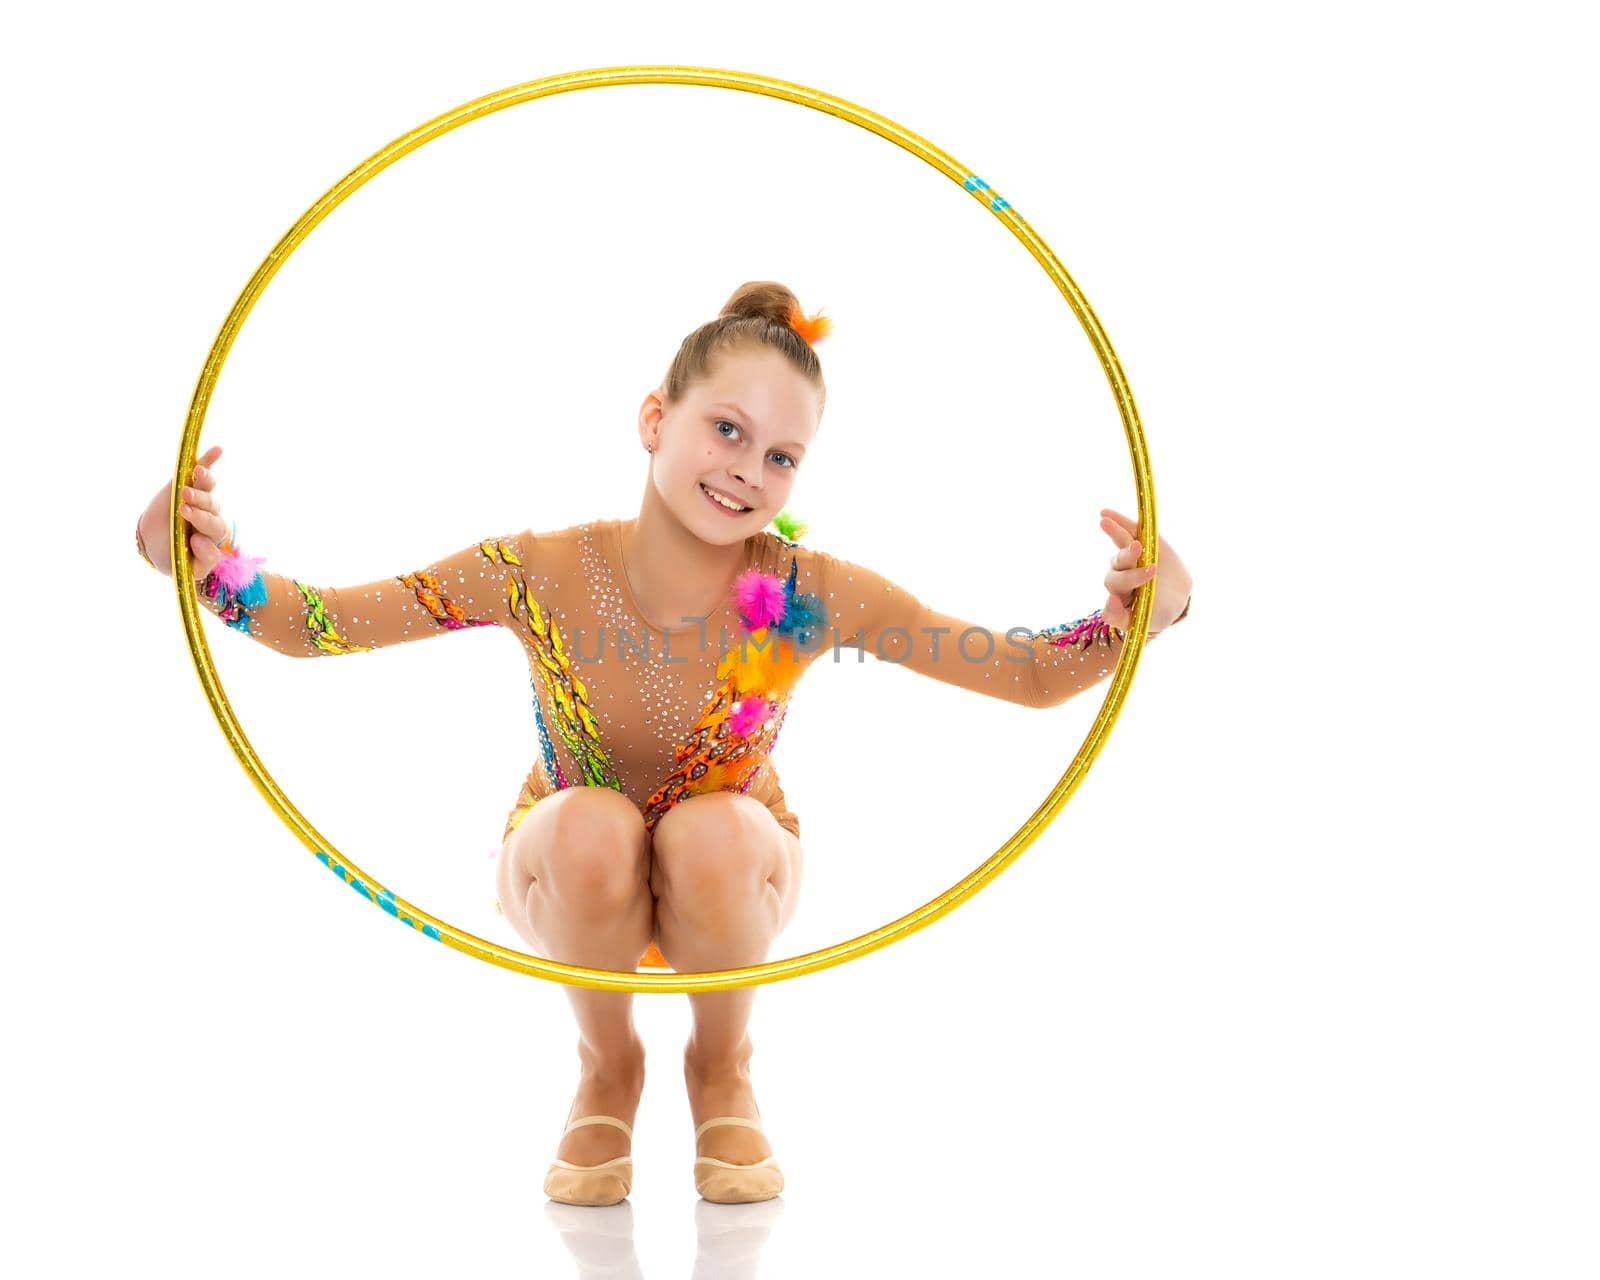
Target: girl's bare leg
726	878
574	883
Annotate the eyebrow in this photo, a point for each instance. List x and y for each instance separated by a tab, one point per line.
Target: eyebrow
728	404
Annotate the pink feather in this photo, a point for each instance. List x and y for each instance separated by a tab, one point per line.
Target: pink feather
236	571
760	597
748	713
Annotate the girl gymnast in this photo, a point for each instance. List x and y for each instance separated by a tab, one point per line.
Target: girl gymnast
664	650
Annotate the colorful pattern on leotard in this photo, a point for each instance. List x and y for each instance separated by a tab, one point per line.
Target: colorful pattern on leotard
526	799
740	721
569	699
575	720
323	633
1082	632
235	585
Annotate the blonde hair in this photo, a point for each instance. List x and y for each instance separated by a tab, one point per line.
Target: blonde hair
760	312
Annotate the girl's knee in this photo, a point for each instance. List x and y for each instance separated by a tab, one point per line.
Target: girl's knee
585	845
712	847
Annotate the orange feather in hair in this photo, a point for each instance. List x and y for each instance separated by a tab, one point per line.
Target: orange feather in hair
812	328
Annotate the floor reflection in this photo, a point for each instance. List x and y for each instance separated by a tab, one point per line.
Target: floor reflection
728	1238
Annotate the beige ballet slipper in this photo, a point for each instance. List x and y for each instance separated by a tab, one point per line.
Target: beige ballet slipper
591	1184
724	1182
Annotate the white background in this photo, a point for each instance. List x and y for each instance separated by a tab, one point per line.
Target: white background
1299	982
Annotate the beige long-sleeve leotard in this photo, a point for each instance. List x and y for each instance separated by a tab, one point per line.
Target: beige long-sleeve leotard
618	703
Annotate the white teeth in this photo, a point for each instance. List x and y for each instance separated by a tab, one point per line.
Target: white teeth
717	497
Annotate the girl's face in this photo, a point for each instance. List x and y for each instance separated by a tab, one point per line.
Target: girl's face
741	433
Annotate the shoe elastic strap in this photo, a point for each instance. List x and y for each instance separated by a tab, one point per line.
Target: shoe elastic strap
611	1120
748	1124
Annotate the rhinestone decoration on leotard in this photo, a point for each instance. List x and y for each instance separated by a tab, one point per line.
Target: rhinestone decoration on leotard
739	724
663	690
445	611
569	696
323	632
707	758
547	750
1082	632
552	768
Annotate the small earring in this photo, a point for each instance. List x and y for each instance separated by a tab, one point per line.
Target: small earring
649	448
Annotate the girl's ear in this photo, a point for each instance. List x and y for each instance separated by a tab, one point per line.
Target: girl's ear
650	413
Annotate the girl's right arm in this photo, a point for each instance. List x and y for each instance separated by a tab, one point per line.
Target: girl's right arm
476	586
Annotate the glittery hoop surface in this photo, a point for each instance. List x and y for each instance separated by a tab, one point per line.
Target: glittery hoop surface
771	971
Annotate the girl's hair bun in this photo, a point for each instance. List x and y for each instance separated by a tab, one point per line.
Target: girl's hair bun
764	298
768	300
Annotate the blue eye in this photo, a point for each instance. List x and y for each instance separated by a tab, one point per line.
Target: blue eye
719	423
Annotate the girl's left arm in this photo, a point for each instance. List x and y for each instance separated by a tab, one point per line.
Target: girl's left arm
1035	667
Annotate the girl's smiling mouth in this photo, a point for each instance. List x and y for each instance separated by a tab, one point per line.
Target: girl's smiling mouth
722	502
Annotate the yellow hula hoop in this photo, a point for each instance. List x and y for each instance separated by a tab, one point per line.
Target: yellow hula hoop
720	979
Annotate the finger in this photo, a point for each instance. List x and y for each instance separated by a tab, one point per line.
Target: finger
198	499
1115	530
1128	556
209	523
205	470
204	462
1128	523
1129	548
214	526
1123	581
1136	550
204	551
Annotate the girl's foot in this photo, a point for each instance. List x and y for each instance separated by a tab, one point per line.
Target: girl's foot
724	1089
733	1162
610	1088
